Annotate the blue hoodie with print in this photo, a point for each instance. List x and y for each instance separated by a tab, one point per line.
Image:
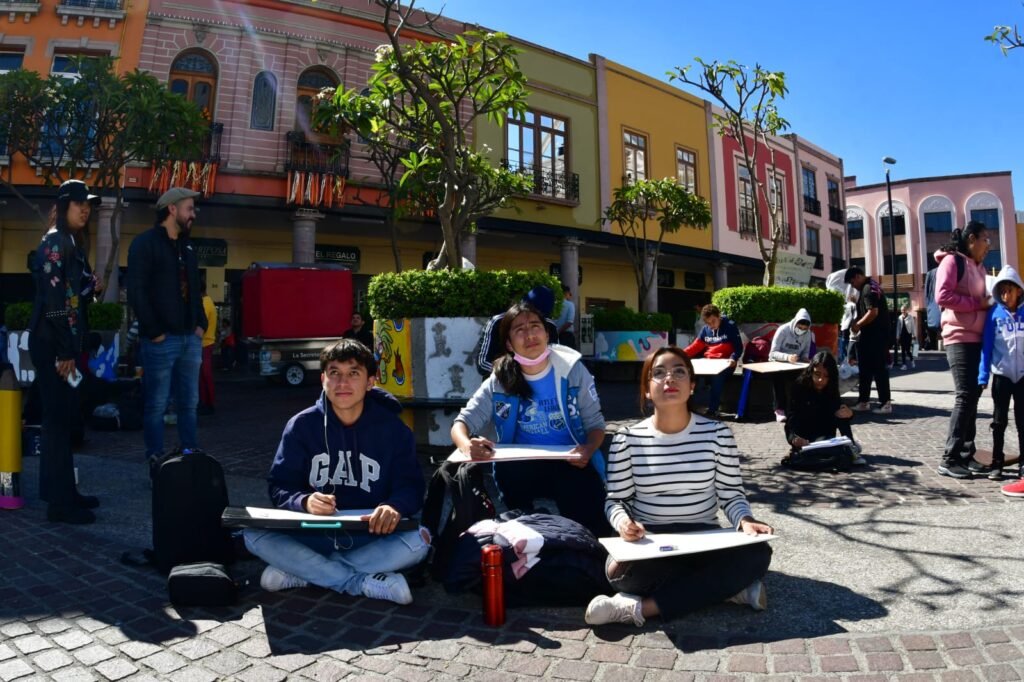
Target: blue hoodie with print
1002	341
370	463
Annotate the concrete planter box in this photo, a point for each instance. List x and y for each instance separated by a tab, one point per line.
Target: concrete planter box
429	363
627	346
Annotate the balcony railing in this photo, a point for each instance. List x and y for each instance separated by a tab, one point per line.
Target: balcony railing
211	146
812	205
819	260
836	214
548	183
94	4
312	157
747	225
838	263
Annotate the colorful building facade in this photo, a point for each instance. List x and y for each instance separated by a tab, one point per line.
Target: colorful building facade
925	211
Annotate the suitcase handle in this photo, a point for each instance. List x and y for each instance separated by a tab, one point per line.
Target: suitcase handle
328	524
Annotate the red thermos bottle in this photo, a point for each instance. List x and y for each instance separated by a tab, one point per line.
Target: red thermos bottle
494	592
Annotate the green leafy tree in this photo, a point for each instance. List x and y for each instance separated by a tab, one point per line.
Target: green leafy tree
644	207
93	126
749	99
421	104
1006	37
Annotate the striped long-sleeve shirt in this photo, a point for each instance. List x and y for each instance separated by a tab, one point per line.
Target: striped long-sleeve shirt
659	478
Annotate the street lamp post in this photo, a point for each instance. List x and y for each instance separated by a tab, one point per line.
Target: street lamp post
889	161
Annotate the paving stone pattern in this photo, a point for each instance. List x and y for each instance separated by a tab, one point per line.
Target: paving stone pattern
70	611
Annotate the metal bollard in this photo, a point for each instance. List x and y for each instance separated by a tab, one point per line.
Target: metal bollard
10	443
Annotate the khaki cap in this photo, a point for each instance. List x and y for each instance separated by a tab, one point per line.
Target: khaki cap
174	195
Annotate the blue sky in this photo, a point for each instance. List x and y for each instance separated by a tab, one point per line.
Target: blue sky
903	78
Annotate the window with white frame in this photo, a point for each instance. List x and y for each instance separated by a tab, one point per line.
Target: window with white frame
634	154
747	200
686	169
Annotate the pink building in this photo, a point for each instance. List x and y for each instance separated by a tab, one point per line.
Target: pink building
925	212
811	207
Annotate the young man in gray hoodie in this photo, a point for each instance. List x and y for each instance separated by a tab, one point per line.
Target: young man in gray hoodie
791	343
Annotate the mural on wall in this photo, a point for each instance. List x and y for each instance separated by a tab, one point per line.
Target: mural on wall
392	341
451	343
17	355
628	346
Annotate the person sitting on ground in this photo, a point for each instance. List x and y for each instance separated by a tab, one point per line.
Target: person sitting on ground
669	474
359	331
719	338
348	451
815	411
539	395
539	297
791	343
1002	360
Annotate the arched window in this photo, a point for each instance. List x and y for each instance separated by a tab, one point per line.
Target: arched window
194	77
310	83
264	101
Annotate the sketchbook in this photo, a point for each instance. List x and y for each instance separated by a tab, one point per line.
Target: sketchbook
512	453
703	367
283	519
773	366
658	545
831	442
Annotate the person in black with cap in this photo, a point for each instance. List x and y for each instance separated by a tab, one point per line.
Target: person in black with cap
64	284
164	290
872	322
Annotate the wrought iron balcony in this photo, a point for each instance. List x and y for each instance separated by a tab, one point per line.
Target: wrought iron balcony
812	205
836	214
838	263
819	260
313	157
211	146
548	183
747	225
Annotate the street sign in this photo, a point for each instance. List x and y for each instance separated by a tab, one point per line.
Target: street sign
793	270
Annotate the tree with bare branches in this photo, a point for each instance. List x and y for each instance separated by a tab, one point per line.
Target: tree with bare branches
749	98
425	97
640	206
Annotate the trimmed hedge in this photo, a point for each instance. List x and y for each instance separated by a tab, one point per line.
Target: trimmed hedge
105	317
778	304
627	320
453	293
18	315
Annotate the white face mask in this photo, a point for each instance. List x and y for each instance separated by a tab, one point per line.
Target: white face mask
800	332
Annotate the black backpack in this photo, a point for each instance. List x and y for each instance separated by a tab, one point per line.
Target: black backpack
834	458
189	497
459	495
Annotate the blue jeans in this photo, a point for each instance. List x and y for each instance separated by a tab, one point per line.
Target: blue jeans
177	356
313	556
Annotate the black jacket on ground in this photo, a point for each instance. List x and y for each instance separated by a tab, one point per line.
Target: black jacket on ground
154	284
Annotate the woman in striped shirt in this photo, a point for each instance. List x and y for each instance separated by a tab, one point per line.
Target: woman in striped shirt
669	474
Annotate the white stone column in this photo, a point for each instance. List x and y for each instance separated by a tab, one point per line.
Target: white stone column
304	223
651	300
104	245
721	274
570	275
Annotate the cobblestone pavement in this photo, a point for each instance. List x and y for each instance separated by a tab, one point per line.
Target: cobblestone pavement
890	572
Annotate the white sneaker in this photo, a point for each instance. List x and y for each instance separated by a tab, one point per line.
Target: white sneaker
858	459
387	586
274	580
622	608
861	407
913	364
780	416
754	595
903	367
883	409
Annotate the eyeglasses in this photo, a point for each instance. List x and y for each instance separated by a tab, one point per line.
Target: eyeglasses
660	374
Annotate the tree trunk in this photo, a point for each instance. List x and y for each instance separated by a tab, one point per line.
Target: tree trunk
393	230
769	272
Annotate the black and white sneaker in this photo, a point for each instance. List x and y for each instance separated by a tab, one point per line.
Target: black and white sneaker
955	470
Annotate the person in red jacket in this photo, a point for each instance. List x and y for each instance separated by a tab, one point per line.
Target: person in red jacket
718	339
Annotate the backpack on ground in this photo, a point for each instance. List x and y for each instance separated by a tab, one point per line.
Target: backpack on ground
833	458
201	584
458	496
189	497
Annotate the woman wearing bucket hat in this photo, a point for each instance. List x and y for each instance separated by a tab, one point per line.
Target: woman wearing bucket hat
64	283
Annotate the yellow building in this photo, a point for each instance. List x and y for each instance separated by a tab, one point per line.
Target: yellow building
651	129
